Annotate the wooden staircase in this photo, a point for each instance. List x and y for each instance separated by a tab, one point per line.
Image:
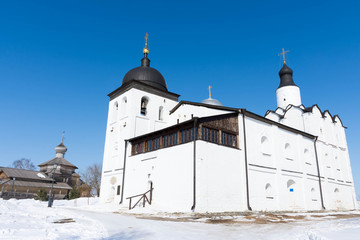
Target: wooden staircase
142	200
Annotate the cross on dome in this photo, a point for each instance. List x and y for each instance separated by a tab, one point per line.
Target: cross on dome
283	54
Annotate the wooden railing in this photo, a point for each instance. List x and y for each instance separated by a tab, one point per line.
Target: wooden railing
142	198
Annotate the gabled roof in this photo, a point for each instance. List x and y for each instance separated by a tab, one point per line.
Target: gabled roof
203	105
25	174
58	161
307	110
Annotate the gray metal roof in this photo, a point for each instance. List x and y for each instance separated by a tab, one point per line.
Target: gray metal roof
25	174
59	161
59	185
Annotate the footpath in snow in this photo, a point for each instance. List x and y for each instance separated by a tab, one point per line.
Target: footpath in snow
87	219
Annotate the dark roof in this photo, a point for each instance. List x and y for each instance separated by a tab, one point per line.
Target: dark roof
202	105
25	174
144	87
146	74
57	185
286	78
59	161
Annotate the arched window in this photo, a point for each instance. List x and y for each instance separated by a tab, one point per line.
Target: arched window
313	194
307	156
269	191
123	106
115	111
265	146
291	185
143	106
161	113
288	152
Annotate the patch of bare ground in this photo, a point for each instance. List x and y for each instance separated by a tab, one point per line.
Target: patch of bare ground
244	218
64	220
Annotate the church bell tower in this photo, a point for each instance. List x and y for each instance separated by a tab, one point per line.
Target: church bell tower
287	92
139	106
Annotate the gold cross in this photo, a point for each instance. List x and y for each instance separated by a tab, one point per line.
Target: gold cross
146	38
209	91
283	53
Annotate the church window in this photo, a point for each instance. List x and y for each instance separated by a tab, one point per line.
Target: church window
313	195
288	152
210	135
118	189
228	139
144	103
269	191
307	157
291	185
161	113
265	146
115	111
170	140
123	106
187	135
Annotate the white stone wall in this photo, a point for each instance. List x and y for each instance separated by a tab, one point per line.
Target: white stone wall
124	122
221	181
282	169
332	153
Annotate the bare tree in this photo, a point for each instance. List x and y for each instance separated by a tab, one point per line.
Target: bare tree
92	177
23	163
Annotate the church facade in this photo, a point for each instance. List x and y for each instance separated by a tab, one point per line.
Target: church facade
205	157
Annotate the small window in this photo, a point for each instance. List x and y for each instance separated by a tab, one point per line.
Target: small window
288	152
170	140
269	191
139	147
210	135
123	107
265	146
118	190
187	135
115	111
228	139
144	103
161	113
291	185
313	195
152	144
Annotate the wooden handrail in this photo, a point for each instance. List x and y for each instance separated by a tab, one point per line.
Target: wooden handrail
143	197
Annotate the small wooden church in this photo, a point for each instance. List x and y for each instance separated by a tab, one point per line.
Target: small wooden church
21	183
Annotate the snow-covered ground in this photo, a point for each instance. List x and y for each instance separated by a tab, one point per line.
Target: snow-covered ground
87	219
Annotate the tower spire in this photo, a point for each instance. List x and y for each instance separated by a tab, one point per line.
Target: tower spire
283	55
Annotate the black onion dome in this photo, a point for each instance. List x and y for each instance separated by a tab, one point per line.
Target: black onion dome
146	74
286	78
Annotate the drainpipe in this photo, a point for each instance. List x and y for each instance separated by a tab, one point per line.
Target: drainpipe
318	169
123	180
246	164
194	166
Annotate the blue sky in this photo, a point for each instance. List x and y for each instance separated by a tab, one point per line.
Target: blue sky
60	59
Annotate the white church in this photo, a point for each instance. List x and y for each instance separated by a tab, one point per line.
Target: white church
187	156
